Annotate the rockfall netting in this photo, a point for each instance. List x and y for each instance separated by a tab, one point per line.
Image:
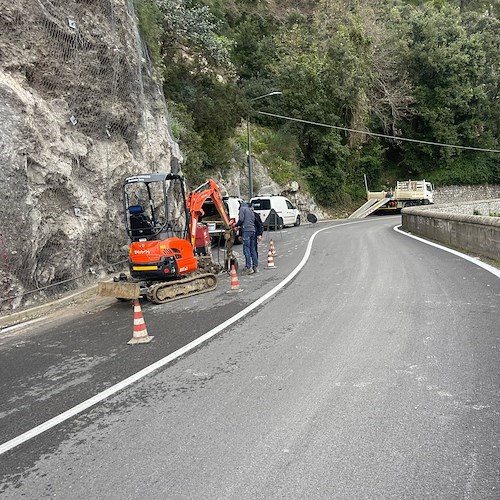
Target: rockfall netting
80	110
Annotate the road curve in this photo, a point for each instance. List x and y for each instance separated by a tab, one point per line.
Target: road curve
372	374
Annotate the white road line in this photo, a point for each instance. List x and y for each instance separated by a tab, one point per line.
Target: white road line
8	329
22	438
487	267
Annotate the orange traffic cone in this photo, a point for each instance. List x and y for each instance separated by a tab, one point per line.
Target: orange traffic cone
270	261
273	248
235	282
140	332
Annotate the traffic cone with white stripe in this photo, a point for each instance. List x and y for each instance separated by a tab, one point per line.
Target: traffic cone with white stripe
273	248
270	261
235	282
140	332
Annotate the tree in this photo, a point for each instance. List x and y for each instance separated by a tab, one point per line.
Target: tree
447	65
343	68
198	76
422	69
191	32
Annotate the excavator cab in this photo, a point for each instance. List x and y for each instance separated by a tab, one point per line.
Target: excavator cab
151	206
157	223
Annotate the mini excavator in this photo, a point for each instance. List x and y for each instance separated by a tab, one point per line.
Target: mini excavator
170	254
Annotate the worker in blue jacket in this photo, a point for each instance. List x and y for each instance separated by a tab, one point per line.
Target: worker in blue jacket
249	230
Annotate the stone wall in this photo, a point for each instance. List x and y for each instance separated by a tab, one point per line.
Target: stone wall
477	207
451	194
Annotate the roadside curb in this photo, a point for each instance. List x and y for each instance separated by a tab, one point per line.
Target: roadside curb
45	309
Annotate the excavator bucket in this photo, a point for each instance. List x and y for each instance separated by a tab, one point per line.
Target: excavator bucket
119	289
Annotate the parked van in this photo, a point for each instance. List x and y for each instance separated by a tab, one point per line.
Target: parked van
283	207
212	218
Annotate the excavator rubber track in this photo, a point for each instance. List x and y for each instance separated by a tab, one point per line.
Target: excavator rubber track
168	291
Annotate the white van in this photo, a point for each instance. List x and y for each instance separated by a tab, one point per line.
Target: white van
283	207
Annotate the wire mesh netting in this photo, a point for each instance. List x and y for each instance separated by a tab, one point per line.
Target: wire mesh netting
80	110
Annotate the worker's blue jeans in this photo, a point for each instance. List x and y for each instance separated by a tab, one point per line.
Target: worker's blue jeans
249	249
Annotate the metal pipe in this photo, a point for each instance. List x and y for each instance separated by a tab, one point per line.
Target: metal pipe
249	161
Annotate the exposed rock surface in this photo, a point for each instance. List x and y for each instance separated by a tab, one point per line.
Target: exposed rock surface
79	111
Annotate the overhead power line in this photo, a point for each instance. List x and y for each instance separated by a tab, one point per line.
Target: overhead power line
396	138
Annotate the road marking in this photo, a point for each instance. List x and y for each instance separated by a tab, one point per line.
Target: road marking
85	405
19	325
487	267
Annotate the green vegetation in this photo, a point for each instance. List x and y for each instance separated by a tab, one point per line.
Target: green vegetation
490	214
276	149
425	70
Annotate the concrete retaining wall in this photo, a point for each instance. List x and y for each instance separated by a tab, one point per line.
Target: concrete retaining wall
455	225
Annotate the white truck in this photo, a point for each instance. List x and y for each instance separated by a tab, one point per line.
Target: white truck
406	194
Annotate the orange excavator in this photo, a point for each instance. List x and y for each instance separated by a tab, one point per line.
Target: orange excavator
170	254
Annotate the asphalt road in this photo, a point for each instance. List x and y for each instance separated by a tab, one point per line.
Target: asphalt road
373	373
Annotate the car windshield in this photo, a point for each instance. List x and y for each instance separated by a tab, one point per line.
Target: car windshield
261	204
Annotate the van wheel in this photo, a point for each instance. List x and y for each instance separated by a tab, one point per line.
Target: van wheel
297	221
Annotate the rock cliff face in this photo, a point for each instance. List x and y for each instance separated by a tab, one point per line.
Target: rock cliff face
79	111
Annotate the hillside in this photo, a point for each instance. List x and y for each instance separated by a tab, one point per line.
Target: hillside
368	87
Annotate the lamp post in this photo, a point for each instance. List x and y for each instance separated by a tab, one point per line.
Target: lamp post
249	145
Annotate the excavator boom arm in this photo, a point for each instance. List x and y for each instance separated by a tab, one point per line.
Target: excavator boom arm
195	200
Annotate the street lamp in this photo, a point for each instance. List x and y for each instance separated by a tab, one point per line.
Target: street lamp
249	146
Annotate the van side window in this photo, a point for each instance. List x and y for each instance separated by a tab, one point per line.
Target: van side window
289	205
261	204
